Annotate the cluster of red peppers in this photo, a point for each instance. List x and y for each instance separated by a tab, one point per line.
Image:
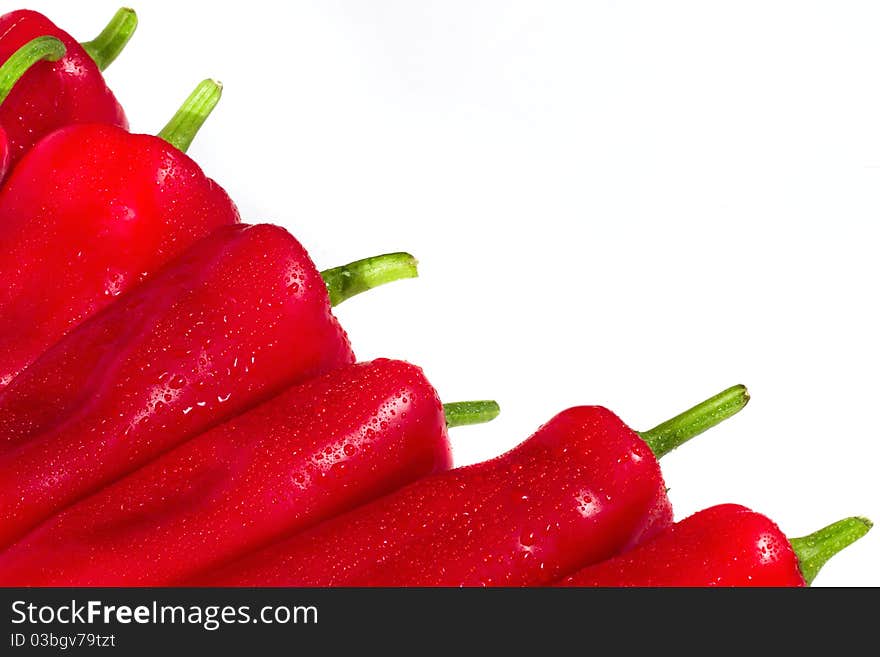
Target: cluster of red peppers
179	405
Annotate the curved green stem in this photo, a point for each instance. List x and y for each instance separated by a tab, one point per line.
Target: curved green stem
106	47
459	414
41	49
184	125
673	433
815	550
348	280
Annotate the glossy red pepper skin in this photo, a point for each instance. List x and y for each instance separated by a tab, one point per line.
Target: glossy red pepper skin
88	213
725	545
51	95
4	153
238	317
582	488
311	452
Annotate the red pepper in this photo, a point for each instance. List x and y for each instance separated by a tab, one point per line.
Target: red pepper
582	488
44	48
88	213
314	451
70	90
4	153
725	545
235	319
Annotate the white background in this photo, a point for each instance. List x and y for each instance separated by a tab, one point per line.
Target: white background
633	204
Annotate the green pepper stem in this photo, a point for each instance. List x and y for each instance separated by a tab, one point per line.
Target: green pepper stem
348	280
41	49
184	125
815	550
458	414
106	47
673	433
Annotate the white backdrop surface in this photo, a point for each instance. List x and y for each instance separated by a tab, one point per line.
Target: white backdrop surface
633	204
